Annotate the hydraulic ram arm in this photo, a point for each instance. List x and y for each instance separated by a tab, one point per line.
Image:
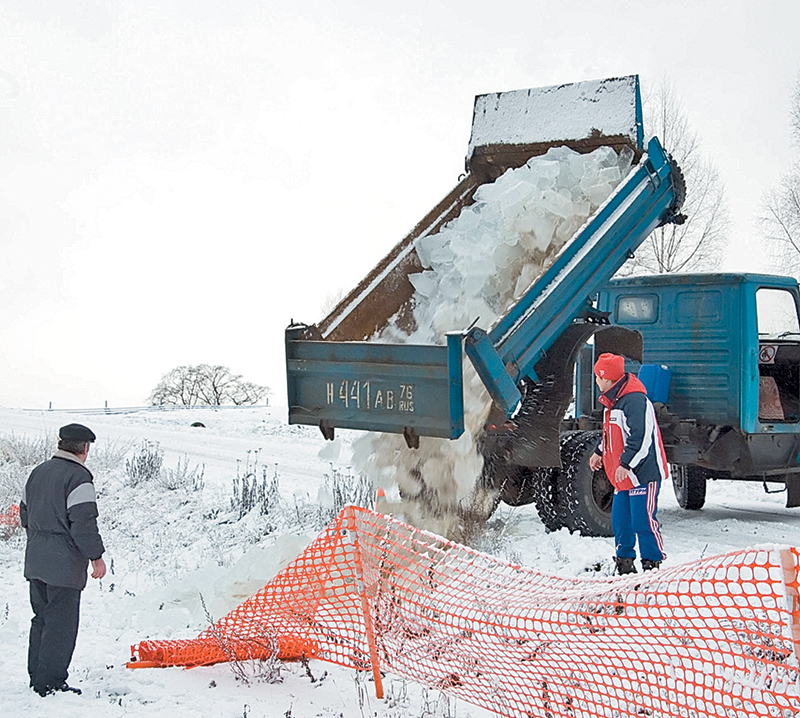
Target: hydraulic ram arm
650	196
416	390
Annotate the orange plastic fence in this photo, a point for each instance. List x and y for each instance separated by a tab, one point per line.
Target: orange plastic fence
718	637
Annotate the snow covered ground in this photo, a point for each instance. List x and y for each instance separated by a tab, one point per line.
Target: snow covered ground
168	547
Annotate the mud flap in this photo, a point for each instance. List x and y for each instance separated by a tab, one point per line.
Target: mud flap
792	492
619	340
730	453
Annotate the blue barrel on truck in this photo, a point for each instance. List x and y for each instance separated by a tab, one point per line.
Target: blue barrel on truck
656	379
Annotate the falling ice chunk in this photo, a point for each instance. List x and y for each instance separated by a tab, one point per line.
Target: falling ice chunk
529	271
490	293
556	203
606	157
609	174
442	253
426	244
462	243
424	283
625	160
469	220
473	283
539	167
450	287
599	193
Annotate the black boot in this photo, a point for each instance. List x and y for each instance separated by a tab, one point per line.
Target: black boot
648	565
624	565
62	688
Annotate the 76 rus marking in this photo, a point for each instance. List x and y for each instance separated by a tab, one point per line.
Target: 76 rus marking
355	394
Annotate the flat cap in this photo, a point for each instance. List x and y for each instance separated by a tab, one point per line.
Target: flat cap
76	432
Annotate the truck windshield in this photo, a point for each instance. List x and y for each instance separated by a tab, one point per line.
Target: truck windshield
777	313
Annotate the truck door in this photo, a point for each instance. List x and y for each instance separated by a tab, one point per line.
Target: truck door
778	357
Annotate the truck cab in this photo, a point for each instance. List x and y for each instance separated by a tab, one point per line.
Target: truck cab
731	343
726	350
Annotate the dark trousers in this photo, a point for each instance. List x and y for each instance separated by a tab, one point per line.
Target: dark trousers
633	515
54	628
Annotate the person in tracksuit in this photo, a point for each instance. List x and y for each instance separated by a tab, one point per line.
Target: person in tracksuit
633	456
59	512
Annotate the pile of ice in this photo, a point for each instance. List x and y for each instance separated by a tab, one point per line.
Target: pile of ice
475	268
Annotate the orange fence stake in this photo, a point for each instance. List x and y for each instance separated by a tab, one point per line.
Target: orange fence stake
365	607
791	580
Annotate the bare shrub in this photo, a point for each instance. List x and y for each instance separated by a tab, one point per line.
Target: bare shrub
107	456
24	450
254	488
18	456
263	667
345	487
145	465
183	477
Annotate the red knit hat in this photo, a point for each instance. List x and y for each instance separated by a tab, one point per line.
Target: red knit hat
610	366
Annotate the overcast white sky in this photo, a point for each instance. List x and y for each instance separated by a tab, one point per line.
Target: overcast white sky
180	179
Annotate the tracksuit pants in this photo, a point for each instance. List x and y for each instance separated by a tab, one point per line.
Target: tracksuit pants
633	516
54	629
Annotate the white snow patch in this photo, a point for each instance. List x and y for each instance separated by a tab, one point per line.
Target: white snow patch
556	113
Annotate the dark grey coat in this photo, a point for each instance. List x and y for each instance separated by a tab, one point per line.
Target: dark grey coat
59	512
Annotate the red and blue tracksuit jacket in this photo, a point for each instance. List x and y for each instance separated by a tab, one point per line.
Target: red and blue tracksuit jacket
631	437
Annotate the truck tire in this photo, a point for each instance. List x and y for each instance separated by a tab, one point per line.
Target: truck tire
522	485
689	484
585	495
515	484
546	498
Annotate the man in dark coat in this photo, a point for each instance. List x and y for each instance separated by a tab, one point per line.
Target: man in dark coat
59	512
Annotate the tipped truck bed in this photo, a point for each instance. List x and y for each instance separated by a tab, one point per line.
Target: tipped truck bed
337	379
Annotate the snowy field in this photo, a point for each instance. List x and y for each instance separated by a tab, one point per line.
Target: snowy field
169	546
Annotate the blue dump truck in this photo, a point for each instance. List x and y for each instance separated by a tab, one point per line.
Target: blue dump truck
720	353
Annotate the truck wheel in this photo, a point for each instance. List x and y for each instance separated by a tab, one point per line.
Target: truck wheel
516	484
549	504
689	484
522	485
586	495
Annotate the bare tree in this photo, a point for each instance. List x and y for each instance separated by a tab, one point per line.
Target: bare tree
780	206
697	244
214	385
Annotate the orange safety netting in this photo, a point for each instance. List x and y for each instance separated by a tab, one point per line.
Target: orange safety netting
10	517
717	637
